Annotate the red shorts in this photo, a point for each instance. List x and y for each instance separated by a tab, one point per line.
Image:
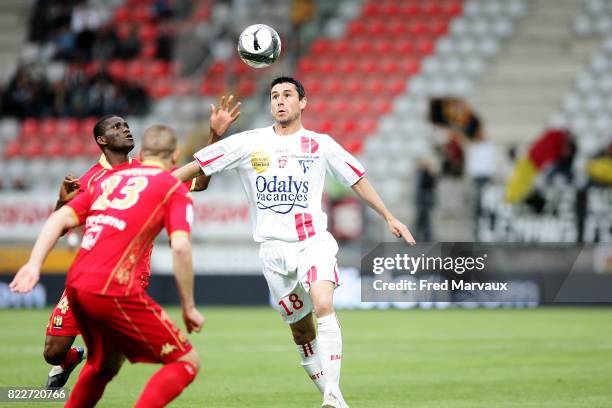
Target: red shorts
62	321
135	326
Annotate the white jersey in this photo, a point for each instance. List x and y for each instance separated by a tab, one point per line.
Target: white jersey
283	177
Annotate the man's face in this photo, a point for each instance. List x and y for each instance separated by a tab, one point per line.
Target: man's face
286	104
118	136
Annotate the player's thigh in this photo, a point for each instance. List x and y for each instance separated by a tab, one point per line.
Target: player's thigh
147	333
288	296
62	321
322	294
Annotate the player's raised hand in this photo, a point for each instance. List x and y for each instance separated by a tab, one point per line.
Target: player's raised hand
398	229
224	115
26	278
194	321
69	188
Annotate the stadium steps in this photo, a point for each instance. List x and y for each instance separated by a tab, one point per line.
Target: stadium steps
13	30
530	77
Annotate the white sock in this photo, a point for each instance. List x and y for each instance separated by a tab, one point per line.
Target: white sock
330	343
311	362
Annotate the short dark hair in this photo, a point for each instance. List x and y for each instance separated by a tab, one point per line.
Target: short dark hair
100	126
298	85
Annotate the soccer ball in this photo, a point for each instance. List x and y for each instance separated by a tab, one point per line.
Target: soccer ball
259	45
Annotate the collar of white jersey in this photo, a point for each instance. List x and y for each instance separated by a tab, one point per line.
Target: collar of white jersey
298	132
104	162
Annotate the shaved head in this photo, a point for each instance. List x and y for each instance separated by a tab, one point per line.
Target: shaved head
159	141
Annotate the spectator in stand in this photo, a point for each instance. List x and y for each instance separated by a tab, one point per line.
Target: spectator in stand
129	46
106	44
425	200
599	168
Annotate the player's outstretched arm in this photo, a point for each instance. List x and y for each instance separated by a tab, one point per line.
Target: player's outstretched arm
28	275
366	192
68	189
183	272
221	118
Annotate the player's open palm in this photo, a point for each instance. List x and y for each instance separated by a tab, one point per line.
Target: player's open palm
224	115
26	278
398	229
194	321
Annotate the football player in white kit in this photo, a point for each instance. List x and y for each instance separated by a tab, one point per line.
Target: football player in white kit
282	169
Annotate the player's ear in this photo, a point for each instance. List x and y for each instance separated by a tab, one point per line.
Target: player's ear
101	140
303	103
175	156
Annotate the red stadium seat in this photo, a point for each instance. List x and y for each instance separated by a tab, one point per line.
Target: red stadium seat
68	127
333	86
91	150
117	69
148	50
148	32
160	88
390	9
159	69
202	12
321	46
182	87
354	86
33	149
347	66
136	70
425	47
29	128
356	28
142	14
431	9
362	46
376	28
87	126
403	46
122	15
306	66
246	87
48	128
438	27
382	46
53	149
76	149
417	28
12	150
216	69
371	9
340	47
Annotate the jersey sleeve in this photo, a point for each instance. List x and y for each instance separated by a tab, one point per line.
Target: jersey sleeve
81	205
341	164
226	154
179	215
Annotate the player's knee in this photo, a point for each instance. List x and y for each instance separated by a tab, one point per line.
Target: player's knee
192	358
324	306
54	353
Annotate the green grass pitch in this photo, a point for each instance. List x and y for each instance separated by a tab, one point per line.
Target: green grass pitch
547	357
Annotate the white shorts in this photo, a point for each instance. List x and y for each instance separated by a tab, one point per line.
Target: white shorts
291	267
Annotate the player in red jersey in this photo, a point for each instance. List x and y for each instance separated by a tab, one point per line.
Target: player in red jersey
62	328
122	216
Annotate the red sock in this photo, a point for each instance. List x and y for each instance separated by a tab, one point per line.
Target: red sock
166	384
89	387
71	358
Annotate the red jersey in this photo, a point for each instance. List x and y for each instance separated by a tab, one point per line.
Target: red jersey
101	170
123	214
